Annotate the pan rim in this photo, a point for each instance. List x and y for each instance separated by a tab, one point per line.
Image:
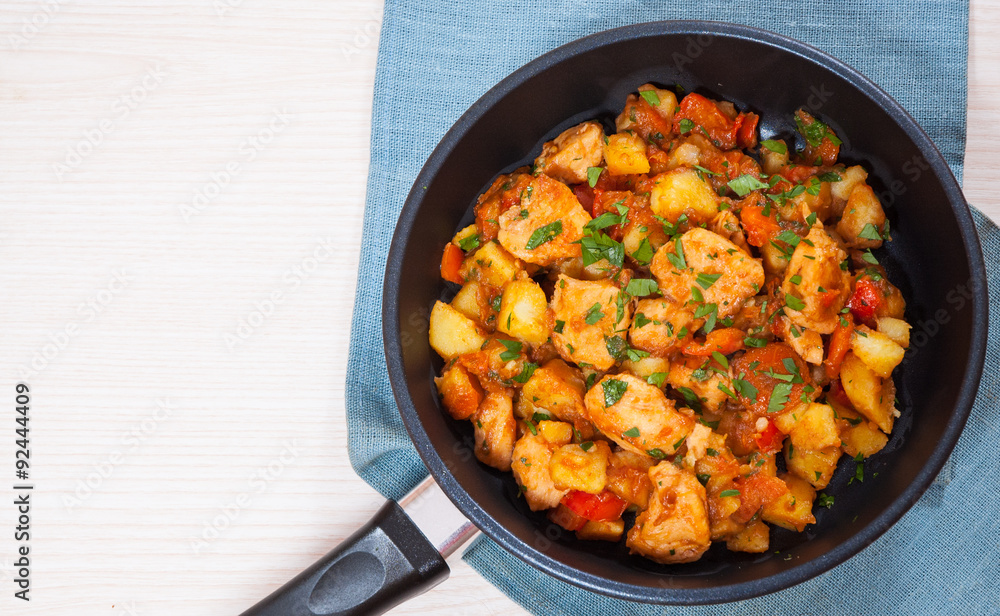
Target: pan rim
686	596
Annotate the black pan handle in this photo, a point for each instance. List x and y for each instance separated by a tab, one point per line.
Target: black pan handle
386	562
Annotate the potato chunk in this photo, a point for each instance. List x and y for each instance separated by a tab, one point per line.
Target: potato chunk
683	191
530	464
491	264
574	467
872	396
568	156
674	529
607	530
452	333
731	275
495	430
460	392
864	438
587	313
898	330
543	228
815	429
628	477
755	539
842	189
626	154
815	466
877	350
639	417
523	312
663	326
792	511
862	209
815	264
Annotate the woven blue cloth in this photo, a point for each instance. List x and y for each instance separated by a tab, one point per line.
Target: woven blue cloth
436	57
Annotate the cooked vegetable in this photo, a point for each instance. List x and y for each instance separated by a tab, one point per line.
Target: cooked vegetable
657	320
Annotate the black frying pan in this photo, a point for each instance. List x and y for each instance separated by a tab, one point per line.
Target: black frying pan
935	258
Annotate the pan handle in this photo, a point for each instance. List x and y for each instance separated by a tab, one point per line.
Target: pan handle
389	560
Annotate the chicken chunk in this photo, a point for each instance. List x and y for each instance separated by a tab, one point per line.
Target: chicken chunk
674	529
723	273
706	384
663	326
495	430
586	315
815	287
637	415
568	156
543	228
531	457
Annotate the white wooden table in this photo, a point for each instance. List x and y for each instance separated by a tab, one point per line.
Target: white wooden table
182	190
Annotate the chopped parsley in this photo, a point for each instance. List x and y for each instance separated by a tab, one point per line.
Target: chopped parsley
650	96
644	253
779	396
526	371
559	327
727	493
778	147
656	379
824	500
613	391
870	232
641	287
744	184
594	314
685	126
632	432
707	280
469	243
641	320
793	302
677	257
544	234
513	349
593	174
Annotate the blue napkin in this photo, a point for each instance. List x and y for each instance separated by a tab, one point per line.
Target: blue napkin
436	57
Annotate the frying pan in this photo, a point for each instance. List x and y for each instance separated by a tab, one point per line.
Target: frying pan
934	258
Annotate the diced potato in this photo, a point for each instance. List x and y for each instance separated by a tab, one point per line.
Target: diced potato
816	429
664	325
684	155
557	389
841	191
464	234
574	468
862	209
815	466
647	366
495	430
641	420
555	432
698	443
460	392
897	330
864	438
683	191
772	161
610	530
567	518
491	264
870	395
530	464
469	298
737	276
774	260
754	539
792	511
523	312
674	529
569	155
546	225
628	477
452	333
625	154
877	350
588	313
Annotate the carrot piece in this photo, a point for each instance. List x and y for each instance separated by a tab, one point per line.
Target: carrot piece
760	229
451	263
840	344
727	340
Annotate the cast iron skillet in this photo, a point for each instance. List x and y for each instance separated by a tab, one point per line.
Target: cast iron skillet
934	257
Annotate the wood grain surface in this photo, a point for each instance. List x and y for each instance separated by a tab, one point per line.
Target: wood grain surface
182	188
